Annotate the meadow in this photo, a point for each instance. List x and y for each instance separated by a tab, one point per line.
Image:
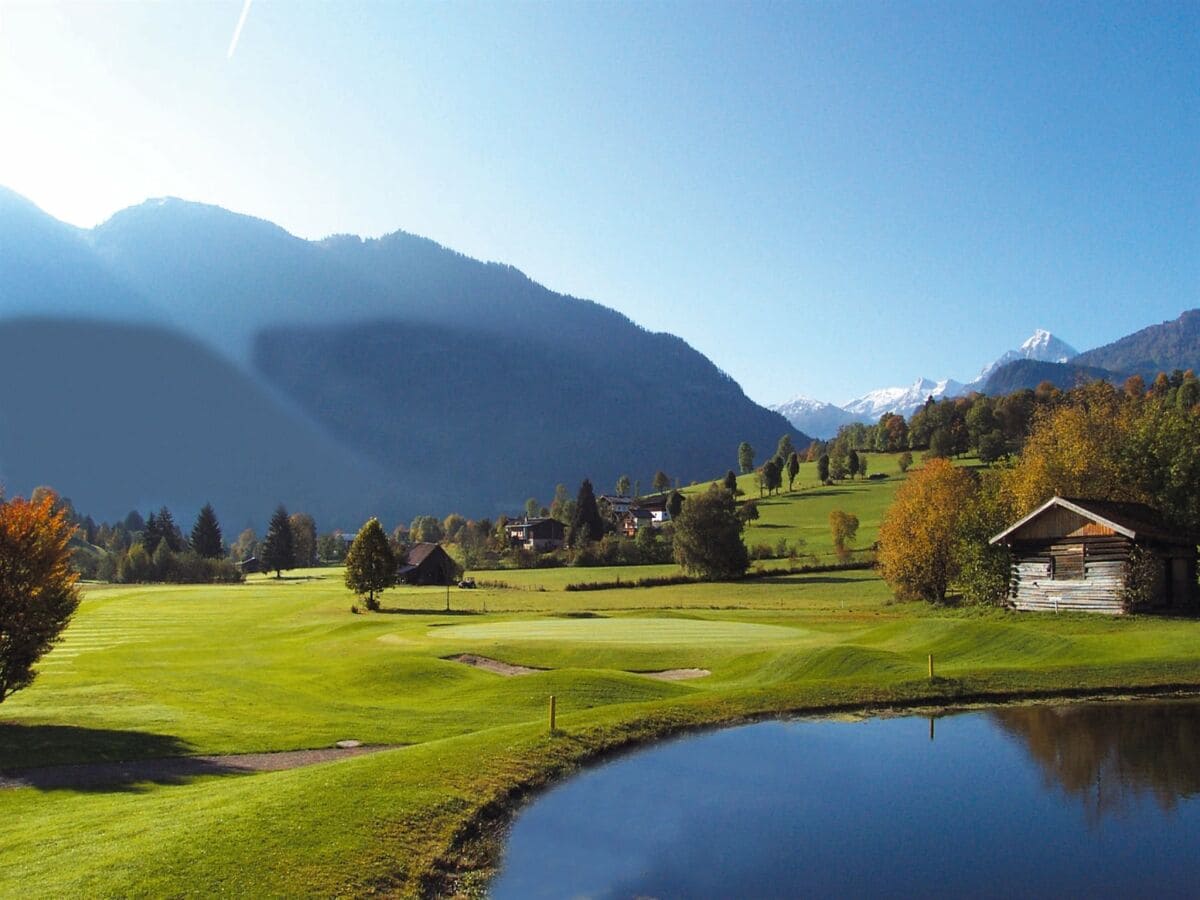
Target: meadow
275	665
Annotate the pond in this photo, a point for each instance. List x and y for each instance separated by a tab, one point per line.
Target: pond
1096	799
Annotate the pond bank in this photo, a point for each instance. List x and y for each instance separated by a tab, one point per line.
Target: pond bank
473	857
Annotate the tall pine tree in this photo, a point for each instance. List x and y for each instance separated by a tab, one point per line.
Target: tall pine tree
278	552
206	534
586	524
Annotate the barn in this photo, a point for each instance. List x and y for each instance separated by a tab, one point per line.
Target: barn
427	563
1078	555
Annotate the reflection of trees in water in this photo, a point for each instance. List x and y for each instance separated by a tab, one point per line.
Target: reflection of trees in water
1108	755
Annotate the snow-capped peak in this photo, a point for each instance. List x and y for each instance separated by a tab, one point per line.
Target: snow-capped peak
1045	347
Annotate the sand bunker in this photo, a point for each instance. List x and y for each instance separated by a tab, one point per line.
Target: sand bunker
493	665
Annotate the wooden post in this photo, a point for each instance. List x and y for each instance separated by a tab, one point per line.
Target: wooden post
447	596
552	728
931	667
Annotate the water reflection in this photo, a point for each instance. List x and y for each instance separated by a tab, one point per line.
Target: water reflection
1107	756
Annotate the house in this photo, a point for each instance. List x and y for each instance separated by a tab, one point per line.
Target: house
656	506
636	519
427	563
1074	554
539	535
618	505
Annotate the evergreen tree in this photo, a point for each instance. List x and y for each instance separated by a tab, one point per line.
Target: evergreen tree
170	531
586	524
823	468
370	564
206	534
674	504
662	481
793	468
852	463
784	448
151	534
278	549
730	482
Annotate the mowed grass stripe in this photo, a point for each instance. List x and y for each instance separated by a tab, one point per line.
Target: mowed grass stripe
621	631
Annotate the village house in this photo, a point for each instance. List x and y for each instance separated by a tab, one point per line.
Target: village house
539	535
636	519
1074	554
618	505
656	506
427	563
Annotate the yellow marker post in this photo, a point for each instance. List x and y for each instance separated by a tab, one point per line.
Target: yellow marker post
931	667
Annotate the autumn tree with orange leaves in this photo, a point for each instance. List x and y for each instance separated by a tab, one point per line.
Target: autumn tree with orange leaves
919	535
38	591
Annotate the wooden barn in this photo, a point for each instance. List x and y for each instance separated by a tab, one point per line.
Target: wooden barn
428	563
1075	555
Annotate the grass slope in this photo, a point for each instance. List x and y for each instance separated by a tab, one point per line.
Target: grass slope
151	671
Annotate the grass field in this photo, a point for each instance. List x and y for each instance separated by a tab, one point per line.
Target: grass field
280	665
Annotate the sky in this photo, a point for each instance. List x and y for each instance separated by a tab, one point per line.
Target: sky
824	198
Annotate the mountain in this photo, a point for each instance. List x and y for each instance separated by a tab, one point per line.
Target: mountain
1042	346
467	384
823	419
901	400
129	417
1158	348
1027	374
815	417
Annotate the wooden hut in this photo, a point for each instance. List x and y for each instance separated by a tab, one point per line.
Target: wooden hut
1076	555
428	563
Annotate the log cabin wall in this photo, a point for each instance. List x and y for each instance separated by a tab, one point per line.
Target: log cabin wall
1070	574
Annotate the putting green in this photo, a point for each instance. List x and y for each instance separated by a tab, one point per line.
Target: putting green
622	631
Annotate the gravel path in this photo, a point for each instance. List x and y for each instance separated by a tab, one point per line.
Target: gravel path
172	769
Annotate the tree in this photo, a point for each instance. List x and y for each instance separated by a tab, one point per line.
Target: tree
843	526
862	466
532	507
661	481
748	511
586	525
38	591
917	540
452	527
674	504
823	468
623	486
426	529
905	460
772	477
708	536
852	463
784	448
206	534
278	548
245	547
730	482
793	468
304	538
370	564
745	458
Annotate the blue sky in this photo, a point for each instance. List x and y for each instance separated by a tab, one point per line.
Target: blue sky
823	198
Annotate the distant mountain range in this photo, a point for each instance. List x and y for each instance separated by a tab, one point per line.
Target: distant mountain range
1043	357
202	355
